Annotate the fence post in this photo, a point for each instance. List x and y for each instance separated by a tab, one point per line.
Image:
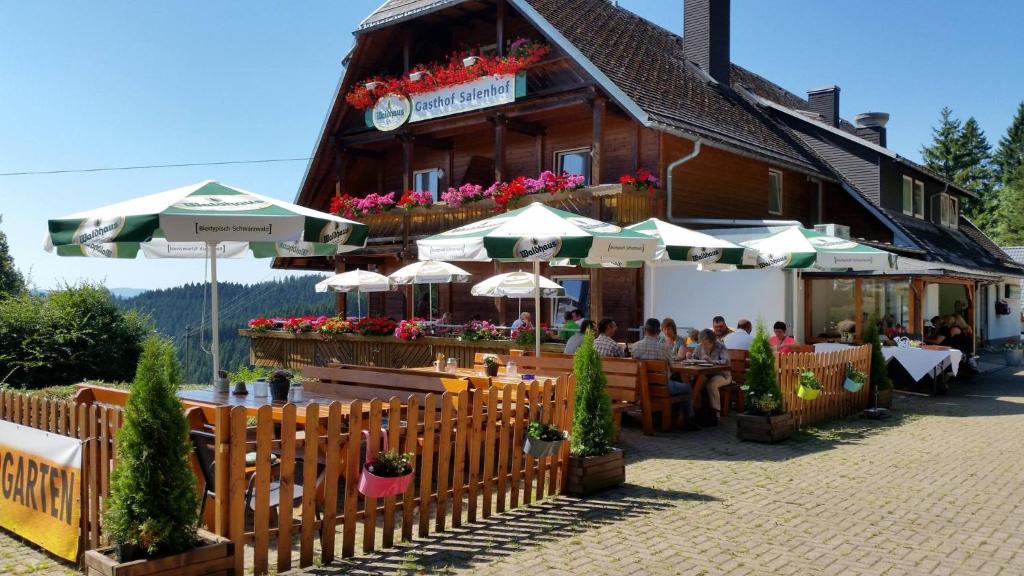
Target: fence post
222	470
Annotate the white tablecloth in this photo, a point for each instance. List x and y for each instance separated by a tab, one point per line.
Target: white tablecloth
920	363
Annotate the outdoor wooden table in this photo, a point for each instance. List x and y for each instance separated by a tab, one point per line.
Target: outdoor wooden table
501	377
695	374
252	404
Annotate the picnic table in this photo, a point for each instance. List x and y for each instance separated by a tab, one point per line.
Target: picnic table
695	373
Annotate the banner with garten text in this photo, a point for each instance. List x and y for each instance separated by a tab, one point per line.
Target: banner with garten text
40	477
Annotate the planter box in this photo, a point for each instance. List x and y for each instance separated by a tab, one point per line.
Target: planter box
540	448
215	555
769	429
1014	357
593	474
884	399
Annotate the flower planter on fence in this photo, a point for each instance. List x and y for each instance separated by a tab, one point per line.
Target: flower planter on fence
851	385
768	429
806	393
214	555
540	448
374	486
591	474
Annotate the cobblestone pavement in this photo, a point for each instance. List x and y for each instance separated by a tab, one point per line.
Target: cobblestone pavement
936	489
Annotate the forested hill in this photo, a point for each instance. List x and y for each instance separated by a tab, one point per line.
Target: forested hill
174	309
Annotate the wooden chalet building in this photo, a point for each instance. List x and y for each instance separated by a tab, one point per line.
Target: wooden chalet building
617	93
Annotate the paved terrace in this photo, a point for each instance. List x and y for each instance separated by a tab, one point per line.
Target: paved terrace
934	490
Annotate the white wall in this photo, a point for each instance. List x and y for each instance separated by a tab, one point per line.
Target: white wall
1000	327
692	297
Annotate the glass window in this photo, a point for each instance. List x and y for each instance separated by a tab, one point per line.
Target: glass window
908	195
832	303
919	199
944	210
426	302
887	302
774	192
427	181
577	292
574	162
953	212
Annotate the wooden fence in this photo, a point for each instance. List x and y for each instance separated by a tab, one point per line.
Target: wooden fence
830	368
96	426
468	464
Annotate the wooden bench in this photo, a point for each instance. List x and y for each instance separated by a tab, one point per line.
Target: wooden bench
367	382
739	361
654	386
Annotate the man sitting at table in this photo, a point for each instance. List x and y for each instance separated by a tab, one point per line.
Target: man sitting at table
570	326
720	327
576	339
741	338
605	343
522	323
650	347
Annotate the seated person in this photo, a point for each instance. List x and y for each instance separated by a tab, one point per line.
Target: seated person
720	327
605	343
741	338
651	348
692	338
576	339
711	350
570	326
522	323
670	338
779	340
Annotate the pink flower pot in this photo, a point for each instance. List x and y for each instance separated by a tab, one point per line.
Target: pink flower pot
373	486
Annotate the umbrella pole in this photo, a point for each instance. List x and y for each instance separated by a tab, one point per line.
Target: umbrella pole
430	301
536	304
654	288
211	249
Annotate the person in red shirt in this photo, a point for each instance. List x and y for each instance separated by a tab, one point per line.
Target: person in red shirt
780	341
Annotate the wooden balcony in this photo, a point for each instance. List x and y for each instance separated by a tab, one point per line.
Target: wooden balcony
399	229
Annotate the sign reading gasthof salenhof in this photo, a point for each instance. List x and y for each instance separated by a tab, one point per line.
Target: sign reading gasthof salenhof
40	478
394	110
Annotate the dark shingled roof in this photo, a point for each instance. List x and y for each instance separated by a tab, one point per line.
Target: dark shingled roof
1015	252
394	10
966	246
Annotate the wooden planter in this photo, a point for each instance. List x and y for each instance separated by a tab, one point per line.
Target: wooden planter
593	474
215	555
884	399
769	429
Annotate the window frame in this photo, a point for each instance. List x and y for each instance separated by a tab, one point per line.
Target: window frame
435	193
918	199
586	151
774	172
907	196
952	210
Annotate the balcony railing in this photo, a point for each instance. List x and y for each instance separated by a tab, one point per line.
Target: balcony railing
607	202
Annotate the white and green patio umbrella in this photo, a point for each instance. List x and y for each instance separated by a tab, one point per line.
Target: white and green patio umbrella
204	220
537	233
430	272
794	247
358	281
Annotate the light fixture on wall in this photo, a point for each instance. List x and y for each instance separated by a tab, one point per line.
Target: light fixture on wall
469	61
372	85
440	173
418	75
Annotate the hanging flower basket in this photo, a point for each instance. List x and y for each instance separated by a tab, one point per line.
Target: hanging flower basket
854	380
388	475
809	388
542	440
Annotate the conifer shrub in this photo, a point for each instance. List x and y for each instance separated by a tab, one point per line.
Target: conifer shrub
153	501
762	394
879	369
592	426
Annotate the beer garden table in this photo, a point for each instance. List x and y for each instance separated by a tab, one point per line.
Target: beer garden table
695	373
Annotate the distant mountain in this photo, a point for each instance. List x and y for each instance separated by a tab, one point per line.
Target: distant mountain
183	314
126	292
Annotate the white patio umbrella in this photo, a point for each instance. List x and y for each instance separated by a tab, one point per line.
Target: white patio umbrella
518	285
204	220
430	272
358	281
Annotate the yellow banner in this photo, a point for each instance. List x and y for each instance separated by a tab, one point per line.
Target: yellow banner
40	485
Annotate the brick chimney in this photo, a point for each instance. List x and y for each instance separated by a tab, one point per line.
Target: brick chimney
706	36
825	101
871	126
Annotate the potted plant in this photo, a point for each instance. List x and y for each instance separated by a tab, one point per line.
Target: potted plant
388	474
854	380
881	384
1014	354
808	387
542	439
280	384
765	419
491	365
594	464
152	516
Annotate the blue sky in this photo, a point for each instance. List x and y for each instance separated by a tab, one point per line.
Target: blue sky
105	83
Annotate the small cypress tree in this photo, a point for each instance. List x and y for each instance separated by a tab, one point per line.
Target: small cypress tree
592	426
153	501
879	370
761	388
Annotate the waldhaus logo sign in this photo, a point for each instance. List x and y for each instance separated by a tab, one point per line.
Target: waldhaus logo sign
391	112
222	203
537	248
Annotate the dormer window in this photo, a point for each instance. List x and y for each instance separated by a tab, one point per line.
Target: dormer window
949	206
913	197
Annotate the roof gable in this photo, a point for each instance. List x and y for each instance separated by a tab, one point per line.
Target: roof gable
392	11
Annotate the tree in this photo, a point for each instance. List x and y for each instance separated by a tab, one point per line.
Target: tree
11	281
592	426
1010	214
153	500
761	388
977	175
879	368
1009	155
945	156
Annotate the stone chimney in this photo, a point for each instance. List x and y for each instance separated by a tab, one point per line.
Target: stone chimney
825	101
706	36
871	127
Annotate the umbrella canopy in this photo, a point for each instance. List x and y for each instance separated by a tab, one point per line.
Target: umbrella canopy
355	281
537	233
796	247
517	285
685	245
430	272
204	220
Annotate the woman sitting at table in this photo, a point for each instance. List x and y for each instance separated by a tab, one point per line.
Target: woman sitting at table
671	339
713	351
692	338
779	340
